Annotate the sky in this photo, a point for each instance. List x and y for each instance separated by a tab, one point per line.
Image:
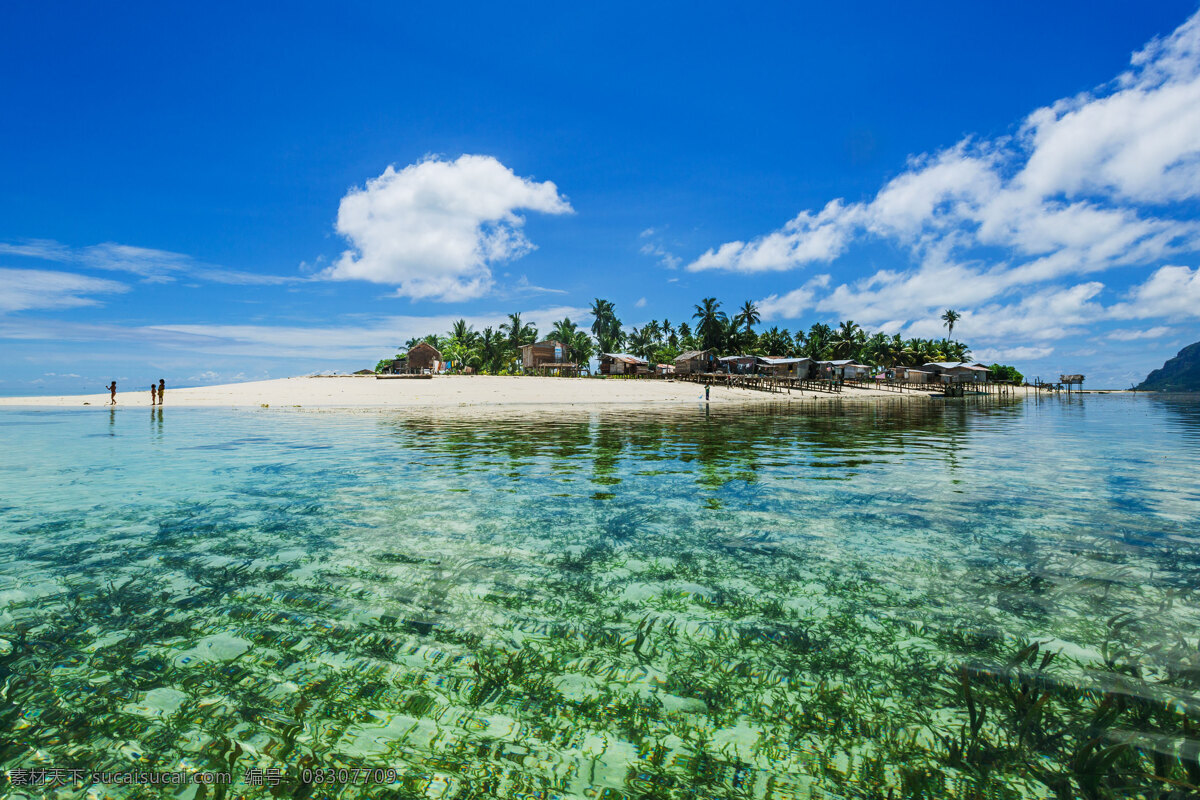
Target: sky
221	192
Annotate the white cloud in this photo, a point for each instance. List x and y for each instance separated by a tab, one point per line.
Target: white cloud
1132	335
1172	292
807	238
665	257
992	227
641	303
153	266
792	304
435	228
1003	355
26	289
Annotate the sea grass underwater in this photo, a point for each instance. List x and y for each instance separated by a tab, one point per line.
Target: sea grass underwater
975	600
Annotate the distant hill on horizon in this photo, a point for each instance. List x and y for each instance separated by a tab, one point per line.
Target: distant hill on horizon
1179	374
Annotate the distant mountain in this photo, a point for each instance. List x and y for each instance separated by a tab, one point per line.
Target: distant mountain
1180	374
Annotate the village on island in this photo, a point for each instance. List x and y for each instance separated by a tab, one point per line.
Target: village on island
721	350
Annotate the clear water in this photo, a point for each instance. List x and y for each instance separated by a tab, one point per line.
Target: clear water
898	600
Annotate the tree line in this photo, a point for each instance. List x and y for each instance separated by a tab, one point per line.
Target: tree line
497	350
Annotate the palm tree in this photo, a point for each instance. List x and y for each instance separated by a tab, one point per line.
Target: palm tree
774	342
875	350
640	343
564	330
491	349
518	333
950	317
581	348
819	341
710	323
749	315
847	339
462	333
654	331
605	326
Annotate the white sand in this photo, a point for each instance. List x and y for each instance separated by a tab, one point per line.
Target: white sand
447	391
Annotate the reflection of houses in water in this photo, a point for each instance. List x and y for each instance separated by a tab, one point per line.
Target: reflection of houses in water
623	364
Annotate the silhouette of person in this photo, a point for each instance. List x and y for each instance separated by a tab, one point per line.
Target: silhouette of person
153	394
113	393
162	390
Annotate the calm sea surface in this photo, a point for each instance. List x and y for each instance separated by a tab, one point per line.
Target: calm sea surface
900	600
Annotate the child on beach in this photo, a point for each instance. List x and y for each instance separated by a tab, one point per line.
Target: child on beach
162	390
113	393
153	394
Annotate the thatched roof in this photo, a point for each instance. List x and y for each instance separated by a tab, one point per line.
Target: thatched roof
426	346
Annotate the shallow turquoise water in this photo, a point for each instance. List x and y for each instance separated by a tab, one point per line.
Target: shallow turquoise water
959	600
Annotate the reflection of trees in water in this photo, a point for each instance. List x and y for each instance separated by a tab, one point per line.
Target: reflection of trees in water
721	441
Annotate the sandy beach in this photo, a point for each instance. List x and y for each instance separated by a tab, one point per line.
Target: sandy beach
446	391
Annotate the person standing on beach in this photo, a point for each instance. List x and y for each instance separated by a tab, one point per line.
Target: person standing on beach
162	390
112	388
153	394
707	386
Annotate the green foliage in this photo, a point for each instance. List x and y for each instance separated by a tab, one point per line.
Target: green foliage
1006	373
498	351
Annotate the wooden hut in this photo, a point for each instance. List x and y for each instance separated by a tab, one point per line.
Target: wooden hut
547	357
843	368
694	362
622	364
784	367
912	374
547	351
397	366
738	365
424	357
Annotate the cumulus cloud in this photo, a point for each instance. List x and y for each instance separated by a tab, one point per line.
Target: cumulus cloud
1172	292
435	228
792	304
1003	229
27	289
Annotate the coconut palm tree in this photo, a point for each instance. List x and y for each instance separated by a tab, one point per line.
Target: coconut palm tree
491	349
581	348
518	333
949	318
848	339
710	323
605	326
640	343
874	350
819	341
463	334
774	342
749	315
564	331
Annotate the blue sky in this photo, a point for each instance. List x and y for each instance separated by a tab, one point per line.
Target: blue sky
231	192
